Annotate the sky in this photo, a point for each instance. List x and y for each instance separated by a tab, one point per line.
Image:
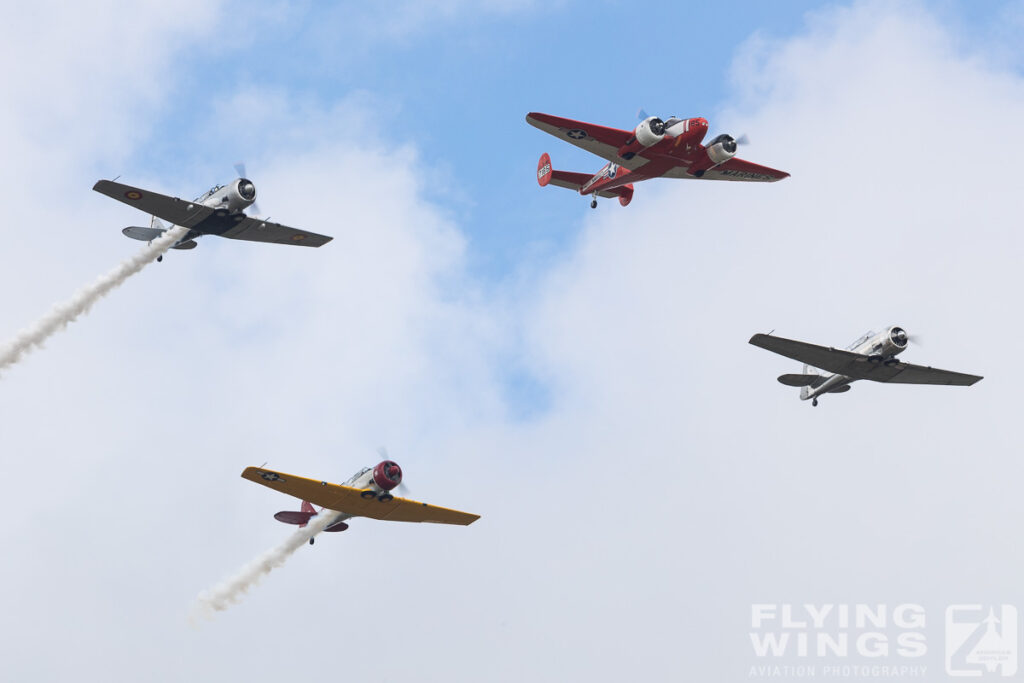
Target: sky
579	378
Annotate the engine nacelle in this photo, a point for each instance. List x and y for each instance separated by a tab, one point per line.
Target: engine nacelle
233	197
387	475
721	149
896	339
651	131
885	345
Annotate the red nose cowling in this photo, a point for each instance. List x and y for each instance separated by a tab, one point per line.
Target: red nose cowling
387	475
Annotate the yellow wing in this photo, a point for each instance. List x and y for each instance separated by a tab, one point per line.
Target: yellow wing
350	501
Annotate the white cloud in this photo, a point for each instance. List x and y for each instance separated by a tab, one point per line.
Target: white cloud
626	531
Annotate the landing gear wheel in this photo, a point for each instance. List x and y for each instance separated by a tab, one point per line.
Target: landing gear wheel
385	497
368	494
593	203
814	402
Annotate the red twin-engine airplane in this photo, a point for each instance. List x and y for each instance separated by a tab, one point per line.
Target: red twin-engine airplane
654	149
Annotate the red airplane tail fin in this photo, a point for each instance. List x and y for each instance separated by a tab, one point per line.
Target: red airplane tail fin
544	170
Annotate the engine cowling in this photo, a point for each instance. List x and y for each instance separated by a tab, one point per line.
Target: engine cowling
886	345
387	475
650	132
721	149
896	340
234	197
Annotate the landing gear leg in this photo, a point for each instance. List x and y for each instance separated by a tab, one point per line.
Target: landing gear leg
814	402
593	203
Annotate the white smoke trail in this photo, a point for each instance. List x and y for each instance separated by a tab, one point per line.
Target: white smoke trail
33	336
232	590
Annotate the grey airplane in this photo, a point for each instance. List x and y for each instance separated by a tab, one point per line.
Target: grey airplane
219	211
828	370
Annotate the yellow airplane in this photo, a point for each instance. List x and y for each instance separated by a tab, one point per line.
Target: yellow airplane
367	493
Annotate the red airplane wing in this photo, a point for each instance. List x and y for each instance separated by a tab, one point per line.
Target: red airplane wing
600	140
738	169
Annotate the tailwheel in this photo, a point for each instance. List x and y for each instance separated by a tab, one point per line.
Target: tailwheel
814	402
311	541
159	258
593	203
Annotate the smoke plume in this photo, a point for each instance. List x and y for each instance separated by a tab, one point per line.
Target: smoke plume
32	337
233	589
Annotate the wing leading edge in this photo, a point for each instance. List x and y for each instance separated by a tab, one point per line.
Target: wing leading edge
350	501
858	366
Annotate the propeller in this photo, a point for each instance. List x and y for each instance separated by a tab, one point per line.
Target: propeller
240	169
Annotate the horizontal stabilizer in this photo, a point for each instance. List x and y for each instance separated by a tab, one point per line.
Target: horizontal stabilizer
337	526
801	380
150	234
840	390
569	179
292	517
142	234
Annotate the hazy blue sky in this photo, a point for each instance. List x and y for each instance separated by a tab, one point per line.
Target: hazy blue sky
579	378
